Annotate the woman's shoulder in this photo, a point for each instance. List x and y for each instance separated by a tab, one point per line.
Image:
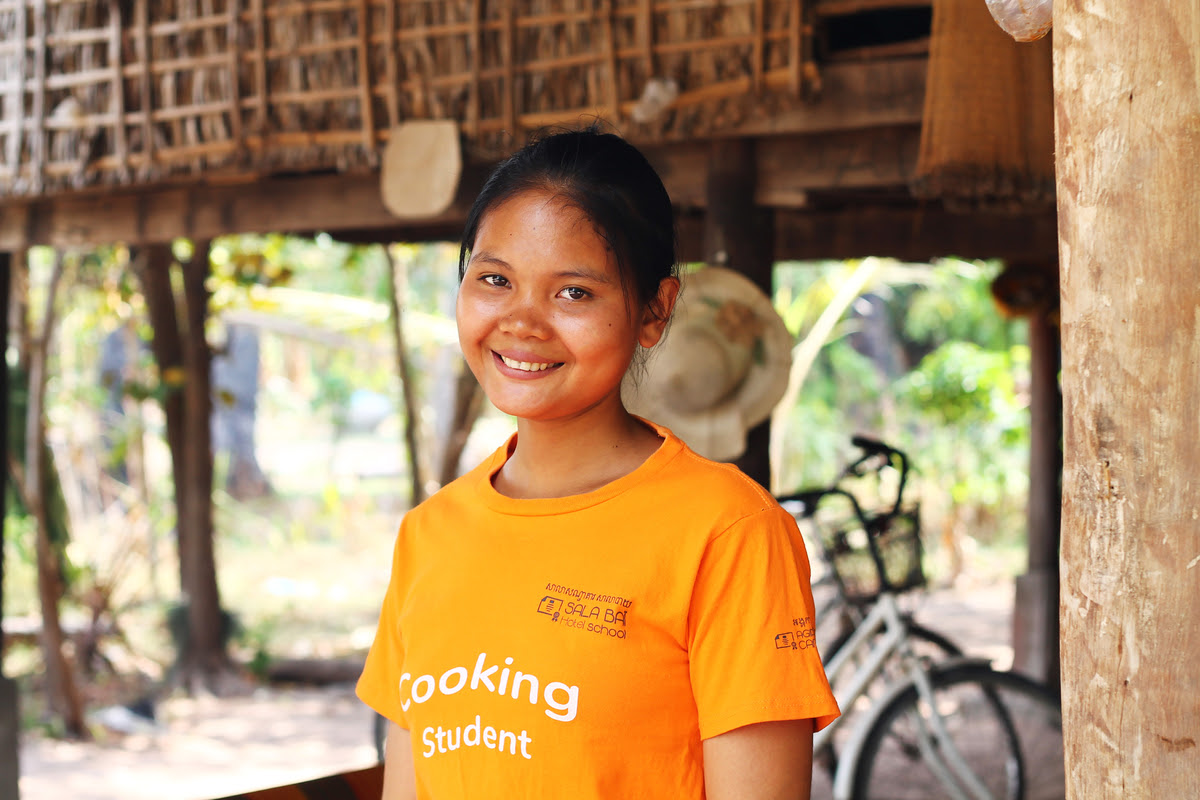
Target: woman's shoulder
702	483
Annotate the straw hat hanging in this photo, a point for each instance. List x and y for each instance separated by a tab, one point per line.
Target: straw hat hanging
721	368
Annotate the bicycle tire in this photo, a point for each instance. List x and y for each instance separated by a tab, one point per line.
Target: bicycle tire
929	646
1016	754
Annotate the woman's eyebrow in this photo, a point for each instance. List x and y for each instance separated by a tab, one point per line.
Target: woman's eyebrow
490	258
583	273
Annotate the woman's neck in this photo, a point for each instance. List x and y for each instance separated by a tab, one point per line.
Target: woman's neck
563	458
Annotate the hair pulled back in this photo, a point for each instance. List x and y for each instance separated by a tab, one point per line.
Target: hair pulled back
610	182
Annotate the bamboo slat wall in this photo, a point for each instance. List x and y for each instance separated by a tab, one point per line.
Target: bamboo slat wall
116	92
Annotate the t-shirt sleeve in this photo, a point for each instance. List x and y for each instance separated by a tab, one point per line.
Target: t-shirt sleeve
751	637
378	686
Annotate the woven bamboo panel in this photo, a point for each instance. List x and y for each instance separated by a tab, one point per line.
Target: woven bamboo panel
110	92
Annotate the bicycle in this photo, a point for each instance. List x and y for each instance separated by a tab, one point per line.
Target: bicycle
953	728
848	609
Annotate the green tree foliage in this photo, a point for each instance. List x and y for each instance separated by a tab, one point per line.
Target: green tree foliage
925	361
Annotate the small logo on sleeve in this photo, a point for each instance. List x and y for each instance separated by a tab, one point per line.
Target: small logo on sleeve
801	637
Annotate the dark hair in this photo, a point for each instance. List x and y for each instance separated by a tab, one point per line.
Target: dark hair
610	182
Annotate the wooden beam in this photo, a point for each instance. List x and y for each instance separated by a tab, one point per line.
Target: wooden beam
738	235
788	168
310	203
912	234
349	207
853	95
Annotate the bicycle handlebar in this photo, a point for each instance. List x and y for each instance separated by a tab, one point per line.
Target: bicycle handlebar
890	457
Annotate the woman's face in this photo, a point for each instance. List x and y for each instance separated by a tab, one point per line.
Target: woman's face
543	316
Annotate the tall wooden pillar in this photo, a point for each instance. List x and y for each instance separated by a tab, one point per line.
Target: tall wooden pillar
10	717
1035	616
740	235
1127	109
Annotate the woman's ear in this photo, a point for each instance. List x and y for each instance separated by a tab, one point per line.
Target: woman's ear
657	313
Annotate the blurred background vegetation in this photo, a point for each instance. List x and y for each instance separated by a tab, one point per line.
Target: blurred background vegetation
922	359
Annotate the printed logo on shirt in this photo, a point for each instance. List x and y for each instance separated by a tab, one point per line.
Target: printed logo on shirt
550	606
596	613
801	637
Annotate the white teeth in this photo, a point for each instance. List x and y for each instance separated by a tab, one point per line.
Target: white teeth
526	366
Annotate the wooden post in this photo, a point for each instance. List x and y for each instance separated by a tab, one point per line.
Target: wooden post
1127	114
740	235
1035	616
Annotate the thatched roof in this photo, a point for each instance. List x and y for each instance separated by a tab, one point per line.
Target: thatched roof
124	92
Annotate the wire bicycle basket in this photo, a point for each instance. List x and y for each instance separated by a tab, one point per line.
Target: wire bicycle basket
884	555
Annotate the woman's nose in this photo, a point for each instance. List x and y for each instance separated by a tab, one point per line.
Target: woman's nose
526	318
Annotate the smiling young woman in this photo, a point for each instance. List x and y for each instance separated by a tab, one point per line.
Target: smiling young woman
594	611
548	328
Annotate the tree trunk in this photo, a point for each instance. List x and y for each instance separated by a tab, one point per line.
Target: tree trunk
468	404
153	268
398	287
1127	96
205	661
61	689
184	363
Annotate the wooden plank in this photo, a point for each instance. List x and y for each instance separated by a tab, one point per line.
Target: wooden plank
511	101
18	98
757	52
260	67
120	144
233	70
791	167
855	95
874	52
475	56
38	144
145	84
612	90
839	8
320	203
364	79
391	68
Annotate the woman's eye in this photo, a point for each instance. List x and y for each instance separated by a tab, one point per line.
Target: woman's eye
574	293
494	280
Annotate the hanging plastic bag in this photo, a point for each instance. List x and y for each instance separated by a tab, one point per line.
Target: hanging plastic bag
1024	20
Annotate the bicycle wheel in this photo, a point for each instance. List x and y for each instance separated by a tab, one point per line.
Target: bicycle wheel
929	646
1005	729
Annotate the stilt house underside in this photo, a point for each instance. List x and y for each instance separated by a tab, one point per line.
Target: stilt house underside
878	127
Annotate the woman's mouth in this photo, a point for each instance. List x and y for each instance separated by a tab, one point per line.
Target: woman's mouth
528	366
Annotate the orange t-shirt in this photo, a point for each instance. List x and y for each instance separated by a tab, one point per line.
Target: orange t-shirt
584	646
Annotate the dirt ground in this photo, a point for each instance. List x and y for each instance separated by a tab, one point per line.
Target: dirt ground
211	747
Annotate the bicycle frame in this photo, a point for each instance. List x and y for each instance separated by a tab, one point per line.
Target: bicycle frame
885	615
